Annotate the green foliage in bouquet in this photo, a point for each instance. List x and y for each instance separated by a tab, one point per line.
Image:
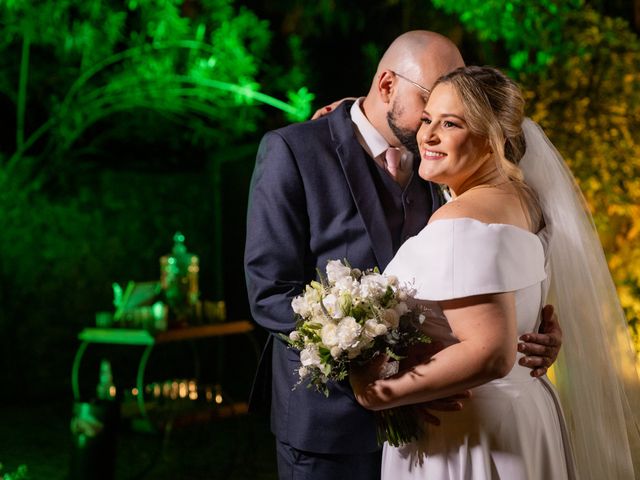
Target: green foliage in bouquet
350	317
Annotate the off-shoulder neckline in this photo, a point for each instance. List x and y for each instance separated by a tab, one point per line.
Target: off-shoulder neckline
480	222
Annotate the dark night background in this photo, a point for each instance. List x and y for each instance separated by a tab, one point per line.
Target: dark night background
128	156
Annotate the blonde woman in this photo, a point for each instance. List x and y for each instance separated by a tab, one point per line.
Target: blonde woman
482	266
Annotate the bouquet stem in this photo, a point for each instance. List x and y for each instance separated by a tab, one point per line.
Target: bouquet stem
397	426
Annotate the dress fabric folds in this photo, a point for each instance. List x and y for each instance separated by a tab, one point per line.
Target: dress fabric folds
512	428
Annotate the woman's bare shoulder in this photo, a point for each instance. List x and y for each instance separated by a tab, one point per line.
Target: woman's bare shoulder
484	206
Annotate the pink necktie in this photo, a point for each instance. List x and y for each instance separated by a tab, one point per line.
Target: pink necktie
392	161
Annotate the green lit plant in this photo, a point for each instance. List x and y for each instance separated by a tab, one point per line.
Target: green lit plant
81	82
196	63
589	102
20	474
580	71
532	32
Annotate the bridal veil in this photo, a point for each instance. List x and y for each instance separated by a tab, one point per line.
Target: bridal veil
596	372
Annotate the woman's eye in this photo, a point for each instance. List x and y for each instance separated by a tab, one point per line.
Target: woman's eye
426	121
449	124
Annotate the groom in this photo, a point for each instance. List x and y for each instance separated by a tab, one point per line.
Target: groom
329	189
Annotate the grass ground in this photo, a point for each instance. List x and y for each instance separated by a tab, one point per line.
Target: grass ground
234	448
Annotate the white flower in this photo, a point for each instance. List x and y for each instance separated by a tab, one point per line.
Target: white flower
311	294
329	334
370	289
309	356
348	332
294	336
335	352
303	372
336	270
330	302
373	328
347	285
301	306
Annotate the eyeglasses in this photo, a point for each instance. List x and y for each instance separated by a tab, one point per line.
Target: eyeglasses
425	90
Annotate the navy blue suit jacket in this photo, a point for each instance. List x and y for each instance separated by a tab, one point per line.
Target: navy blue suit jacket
313	199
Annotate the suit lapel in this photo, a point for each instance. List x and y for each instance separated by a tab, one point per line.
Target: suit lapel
354	164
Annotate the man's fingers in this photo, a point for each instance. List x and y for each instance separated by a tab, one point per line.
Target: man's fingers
538	372
445	406
536	362
537	350
541	338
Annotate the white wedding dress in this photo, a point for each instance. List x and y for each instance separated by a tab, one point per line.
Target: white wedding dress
512	428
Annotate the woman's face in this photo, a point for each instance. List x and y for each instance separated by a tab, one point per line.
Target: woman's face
450	153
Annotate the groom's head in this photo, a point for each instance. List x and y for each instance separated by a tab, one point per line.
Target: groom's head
400	88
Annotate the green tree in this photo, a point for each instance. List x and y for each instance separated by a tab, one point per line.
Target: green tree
589	102
89	85
202	67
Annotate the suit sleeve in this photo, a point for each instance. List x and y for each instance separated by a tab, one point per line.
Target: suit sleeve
277	235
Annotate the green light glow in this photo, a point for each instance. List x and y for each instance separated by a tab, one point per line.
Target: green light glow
532	32
206	68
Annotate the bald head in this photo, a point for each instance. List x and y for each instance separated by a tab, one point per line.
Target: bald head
422	56
399	91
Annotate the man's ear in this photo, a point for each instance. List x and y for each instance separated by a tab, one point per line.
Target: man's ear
386	85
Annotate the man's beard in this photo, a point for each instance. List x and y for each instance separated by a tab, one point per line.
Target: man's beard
406	136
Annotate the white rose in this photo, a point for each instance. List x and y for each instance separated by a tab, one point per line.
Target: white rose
370	288
336	352
347	285
336	270
301	306
348	332
373	328
329	334
309	356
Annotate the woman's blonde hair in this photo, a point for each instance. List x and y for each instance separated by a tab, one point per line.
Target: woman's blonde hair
494	109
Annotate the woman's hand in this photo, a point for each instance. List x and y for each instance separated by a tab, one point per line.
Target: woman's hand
362	377
321	112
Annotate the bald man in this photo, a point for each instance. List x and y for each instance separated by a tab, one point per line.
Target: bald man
323	190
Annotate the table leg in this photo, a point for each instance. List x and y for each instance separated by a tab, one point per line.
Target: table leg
140	382
76	369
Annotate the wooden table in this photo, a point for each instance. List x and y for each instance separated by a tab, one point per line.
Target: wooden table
123	336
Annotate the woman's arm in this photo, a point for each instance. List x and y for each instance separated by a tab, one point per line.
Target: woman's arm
486	328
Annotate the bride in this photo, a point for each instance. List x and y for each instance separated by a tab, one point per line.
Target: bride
484	266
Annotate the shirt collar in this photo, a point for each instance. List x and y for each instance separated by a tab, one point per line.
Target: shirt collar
369	137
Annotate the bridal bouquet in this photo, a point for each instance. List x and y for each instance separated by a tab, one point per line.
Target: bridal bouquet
353	316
